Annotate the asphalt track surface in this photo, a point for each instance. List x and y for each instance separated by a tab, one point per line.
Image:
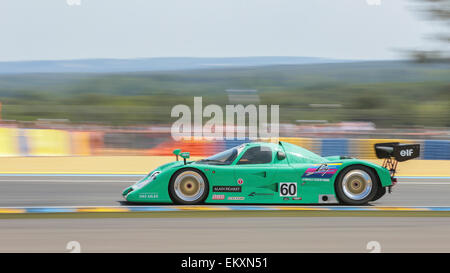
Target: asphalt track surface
105	190
276	234
229	234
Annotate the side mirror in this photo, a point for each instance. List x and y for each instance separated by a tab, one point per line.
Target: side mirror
185	156
176	152
281	155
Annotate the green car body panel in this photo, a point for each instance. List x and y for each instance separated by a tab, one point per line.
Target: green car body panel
258	183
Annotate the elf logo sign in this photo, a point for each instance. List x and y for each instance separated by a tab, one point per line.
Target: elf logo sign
403	152
408	152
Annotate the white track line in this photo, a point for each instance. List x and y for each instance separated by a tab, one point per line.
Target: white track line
69	175
423	183
134	181
224	206
72	181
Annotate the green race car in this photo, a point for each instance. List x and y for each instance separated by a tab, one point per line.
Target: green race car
269	173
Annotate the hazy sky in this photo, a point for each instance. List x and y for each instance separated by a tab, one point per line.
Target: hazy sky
343	29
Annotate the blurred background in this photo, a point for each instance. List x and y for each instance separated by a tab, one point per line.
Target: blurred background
93	78
86	93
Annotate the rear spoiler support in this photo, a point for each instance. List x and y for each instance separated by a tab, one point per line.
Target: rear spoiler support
391	165
394	152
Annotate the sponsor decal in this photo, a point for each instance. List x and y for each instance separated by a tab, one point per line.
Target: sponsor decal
240	181
253	194
266	196
286	198
151	195
322	171
317	179
227	189
296	198
408	152
218	197
236	198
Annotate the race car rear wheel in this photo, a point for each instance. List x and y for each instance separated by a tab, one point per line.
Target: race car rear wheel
356	185
188	186
380	193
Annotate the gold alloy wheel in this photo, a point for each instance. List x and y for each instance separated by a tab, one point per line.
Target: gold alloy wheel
357	184
189	186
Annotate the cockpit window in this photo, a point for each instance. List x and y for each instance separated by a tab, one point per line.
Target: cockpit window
224	158
256	155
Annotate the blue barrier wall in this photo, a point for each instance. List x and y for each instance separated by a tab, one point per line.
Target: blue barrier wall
24	143
334	146
436	149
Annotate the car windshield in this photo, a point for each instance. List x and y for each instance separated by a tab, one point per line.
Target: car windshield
224	158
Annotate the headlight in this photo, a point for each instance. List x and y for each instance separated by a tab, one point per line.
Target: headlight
146	180
153	176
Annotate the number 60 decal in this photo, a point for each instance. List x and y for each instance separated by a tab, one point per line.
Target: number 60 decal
288	189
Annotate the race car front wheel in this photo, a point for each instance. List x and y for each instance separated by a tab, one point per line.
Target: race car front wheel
356	185
188	186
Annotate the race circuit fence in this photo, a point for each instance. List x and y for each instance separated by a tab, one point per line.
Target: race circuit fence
53	142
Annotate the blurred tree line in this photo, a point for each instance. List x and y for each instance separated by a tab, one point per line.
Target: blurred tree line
388	93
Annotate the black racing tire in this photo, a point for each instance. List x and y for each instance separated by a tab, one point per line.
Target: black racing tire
188	186
380	193
356	185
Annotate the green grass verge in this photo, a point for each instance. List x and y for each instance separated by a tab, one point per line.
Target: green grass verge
220	214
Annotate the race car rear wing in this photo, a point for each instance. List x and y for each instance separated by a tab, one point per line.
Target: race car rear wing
394	152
